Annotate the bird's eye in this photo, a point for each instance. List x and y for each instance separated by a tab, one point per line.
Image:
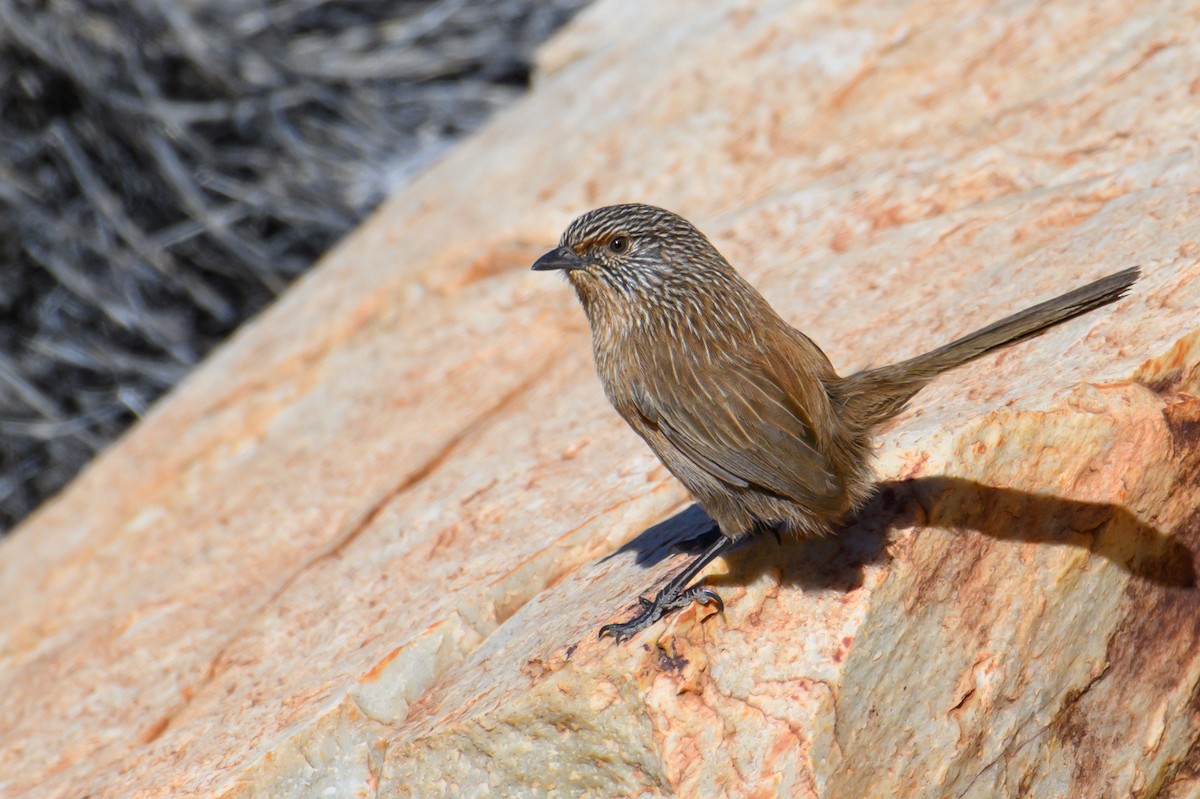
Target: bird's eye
618	244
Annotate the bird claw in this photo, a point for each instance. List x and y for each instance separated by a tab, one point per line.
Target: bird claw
666	601
706	595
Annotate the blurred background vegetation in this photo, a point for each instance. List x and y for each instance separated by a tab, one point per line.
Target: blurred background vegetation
168	166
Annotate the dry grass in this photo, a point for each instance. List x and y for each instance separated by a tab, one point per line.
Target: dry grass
167	167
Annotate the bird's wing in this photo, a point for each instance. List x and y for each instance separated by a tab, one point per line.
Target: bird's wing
737	423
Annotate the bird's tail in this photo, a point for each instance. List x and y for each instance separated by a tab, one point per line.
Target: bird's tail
876	395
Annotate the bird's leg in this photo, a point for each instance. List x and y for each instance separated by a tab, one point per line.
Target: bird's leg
673	596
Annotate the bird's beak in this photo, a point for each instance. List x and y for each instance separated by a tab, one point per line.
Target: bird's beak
563	258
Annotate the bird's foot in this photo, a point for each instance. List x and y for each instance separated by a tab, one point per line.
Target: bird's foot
669	599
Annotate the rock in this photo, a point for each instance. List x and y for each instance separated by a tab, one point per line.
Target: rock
364	550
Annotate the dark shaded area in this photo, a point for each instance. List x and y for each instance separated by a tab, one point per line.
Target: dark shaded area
1110	531
691	531
167	168
836	562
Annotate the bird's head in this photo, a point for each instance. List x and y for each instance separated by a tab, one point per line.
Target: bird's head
635	254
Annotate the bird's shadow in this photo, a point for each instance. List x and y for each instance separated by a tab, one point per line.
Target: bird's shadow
837	561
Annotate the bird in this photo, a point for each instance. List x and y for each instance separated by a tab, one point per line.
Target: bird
745	410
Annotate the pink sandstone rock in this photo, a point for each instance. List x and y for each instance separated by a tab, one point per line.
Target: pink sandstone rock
361	552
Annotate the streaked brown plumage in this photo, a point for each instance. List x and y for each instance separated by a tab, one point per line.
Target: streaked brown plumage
745	410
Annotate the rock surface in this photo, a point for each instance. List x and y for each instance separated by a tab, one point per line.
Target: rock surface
362	551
